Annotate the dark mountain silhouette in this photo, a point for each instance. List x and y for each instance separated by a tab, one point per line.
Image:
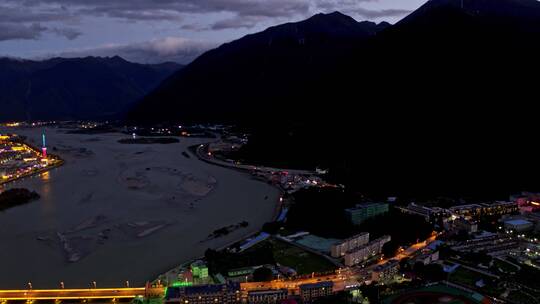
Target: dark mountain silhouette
257	74
439	104
497	14
81	88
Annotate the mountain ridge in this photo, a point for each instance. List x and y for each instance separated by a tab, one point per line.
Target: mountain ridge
74	88
288	56
437	104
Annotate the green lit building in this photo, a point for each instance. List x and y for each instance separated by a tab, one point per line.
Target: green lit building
245	271
362	212
199	270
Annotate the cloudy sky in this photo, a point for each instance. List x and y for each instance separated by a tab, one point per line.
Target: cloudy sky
159	30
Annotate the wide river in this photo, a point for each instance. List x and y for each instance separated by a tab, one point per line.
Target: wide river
122	212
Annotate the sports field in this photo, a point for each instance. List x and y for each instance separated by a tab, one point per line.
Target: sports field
433	295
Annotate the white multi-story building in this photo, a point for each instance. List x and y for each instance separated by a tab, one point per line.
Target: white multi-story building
340	249
362	253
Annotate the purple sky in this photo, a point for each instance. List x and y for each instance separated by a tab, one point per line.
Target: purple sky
159	30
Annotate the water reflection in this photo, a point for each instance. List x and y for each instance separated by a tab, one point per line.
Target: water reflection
45	187
47	205
45	176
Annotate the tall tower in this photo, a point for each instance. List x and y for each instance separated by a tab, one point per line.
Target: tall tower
44	144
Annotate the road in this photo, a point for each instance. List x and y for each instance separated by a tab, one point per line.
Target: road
71	294
345	276
340	281
202	154
412	249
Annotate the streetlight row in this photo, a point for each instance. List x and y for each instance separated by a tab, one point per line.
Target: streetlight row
63	286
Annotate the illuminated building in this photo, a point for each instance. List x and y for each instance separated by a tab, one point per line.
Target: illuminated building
199	270
362	212
44	146
427	256
311	292
363	253
500	208
339	250
429	213
17	148
272	296
462	224
528	202
385	272
476	210
472	210
204	294
493	244
240	272
518	225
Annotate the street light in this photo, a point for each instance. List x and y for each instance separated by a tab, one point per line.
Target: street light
62	286
29	285
94	284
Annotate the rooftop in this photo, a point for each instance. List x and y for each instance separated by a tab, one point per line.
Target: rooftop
518	222
327	284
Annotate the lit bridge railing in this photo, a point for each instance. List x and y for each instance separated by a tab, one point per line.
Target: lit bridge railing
77	294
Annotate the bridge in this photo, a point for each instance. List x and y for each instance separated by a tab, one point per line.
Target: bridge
78	294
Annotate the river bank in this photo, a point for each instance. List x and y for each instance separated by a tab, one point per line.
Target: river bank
16	197
199	152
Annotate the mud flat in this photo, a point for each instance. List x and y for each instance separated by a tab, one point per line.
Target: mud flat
115	212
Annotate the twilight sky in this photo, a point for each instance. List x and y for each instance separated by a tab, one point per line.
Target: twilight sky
152	31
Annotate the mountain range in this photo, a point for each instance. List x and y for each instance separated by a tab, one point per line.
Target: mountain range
439	103
79	88
292	69
258	73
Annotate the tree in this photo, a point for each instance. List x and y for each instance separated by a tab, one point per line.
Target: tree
430	272
479	257
390	249
271	227
263	274
372	292
404	264
462	236
339	298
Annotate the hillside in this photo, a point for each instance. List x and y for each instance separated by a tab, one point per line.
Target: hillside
80	88
260	75
439	104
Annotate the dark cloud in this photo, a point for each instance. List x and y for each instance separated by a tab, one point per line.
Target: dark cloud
167	49
10	31
244	13
26	23
235	23
356	9
173	9
33	19
22	14
68	33
384	13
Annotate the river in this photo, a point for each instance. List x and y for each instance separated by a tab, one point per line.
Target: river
122	212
